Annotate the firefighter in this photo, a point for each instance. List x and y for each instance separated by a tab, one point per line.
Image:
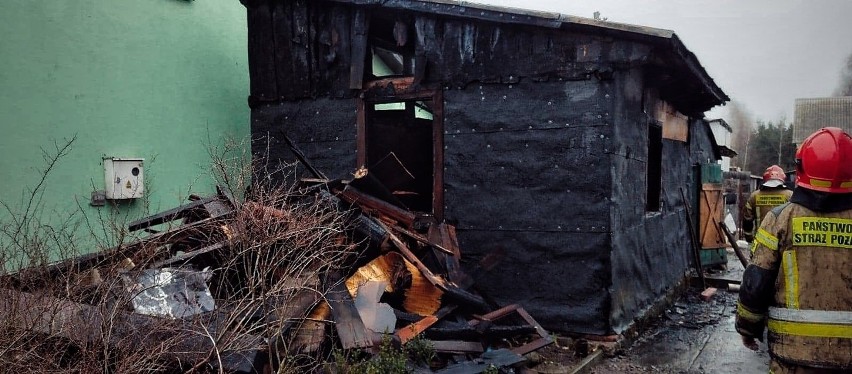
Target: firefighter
799	283
772	193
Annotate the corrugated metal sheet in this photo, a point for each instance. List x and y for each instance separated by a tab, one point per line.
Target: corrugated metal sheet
816	113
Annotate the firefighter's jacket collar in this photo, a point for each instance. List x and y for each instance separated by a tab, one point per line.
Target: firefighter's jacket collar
819	201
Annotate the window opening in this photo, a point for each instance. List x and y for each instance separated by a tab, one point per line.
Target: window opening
653	172
391	46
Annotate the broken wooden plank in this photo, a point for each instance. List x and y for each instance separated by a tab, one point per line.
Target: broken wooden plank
169	215
300	309
186	256
396	85
217	208
718	282
490	331
454	292
226	193
693	239
360	28
498	357
420	238
444	236
497	314
543	340
372	204
457	346
347	320
405	334
90	260
733	242
310	333
371	185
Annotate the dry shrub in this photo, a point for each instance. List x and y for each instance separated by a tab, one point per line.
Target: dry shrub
267	277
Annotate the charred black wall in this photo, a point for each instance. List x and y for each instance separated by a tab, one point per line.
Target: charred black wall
324	129
526	171
305	49
650	249
545	135
700	138
299	49
460	51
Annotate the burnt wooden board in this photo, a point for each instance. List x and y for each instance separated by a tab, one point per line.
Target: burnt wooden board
261	54
347	321
498	358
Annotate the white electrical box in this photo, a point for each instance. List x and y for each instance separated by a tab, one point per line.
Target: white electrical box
123	178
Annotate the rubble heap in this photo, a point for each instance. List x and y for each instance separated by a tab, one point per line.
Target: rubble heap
250	286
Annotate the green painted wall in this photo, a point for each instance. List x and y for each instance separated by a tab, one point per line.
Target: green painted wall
158	79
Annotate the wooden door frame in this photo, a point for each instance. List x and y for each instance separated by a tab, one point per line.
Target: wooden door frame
402	89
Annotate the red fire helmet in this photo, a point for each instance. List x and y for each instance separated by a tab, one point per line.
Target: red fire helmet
773	176
824	161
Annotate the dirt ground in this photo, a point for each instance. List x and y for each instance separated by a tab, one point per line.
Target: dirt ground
693	336
675	342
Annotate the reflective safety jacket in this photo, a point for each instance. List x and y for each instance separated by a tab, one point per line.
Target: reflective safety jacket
799	285
760	203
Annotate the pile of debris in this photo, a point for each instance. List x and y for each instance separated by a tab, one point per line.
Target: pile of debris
239	286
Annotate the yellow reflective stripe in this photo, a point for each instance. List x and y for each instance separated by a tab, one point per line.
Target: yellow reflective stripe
753	247
791	278
817	330
747	314
847	184
820	183
767	239
822	232
770	199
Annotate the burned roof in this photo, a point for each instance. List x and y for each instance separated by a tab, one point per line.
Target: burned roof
677	66
813	114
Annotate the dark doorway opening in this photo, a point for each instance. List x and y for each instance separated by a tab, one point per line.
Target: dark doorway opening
403	130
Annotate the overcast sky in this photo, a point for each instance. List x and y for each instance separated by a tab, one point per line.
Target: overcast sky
762	53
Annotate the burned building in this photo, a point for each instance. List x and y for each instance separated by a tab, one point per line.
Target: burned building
565	142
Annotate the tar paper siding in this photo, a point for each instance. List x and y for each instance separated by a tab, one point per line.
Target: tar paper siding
526	171
160	80
545	148
324	129
650	251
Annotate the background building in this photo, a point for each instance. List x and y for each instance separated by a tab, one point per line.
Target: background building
159	80
815	113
